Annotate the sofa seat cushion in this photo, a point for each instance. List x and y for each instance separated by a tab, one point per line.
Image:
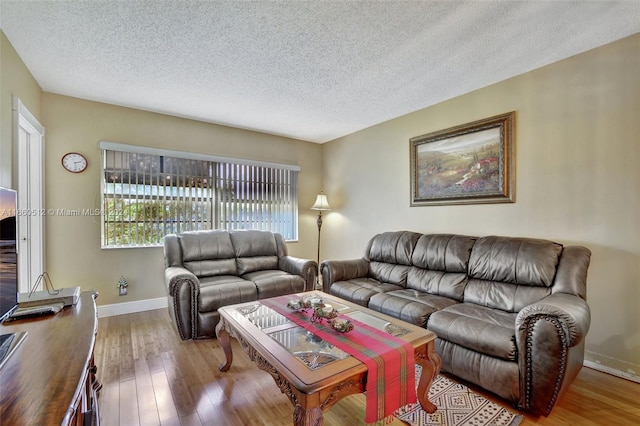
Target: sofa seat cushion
409	305
271	283
224	290
481	329
360	290
447	284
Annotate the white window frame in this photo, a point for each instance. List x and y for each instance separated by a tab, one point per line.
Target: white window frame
223	208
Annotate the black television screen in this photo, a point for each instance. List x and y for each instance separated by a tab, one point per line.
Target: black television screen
8	253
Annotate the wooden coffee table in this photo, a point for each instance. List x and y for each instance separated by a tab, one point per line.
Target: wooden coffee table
312	373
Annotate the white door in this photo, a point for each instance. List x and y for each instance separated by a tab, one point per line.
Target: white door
30	142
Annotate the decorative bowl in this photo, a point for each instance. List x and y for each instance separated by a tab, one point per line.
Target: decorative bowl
311	301
295	304
323	312
342	325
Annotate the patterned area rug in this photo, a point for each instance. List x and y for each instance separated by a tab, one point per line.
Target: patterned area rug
457	406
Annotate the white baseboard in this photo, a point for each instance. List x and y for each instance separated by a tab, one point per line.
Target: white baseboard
132	307
612	371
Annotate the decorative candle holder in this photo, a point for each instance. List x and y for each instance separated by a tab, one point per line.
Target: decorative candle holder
307	302
295	304
342	325
321	312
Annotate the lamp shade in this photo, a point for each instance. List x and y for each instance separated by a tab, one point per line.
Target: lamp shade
321	203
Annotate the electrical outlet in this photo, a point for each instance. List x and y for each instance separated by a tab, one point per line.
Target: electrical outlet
122	286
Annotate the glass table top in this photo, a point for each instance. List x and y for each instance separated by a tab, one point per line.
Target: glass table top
263	317
378	323
311	350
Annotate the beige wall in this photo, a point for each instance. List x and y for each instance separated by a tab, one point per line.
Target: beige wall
15	80
73	249
577	180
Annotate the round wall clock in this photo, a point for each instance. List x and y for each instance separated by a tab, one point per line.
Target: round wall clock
74	162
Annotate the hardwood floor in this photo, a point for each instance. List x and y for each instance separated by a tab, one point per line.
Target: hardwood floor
151	377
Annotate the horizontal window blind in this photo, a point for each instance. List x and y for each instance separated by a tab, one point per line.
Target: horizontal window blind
146	196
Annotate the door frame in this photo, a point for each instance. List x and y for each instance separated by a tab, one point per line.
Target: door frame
28	138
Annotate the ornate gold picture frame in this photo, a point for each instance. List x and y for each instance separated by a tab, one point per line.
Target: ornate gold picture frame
467	164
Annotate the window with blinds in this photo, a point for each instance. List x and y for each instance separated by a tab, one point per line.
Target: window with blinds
146	195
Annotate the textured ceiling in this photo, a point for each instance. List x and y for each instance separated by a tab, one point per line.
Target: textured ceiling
311	70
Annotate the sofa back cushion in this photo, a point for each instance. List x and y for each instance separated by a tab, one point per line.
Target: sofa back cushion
440	264
510	273
172	251
208	253
255	250
389	256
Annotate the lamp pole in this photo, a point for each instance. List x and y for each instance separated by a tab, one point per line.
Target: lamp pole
321	205
319	226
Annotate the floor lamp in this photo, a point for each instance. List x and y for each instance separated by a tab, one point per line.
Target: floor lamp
321	205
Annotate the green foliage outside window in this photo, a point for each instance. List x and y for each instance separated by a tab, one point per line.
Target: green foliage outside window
145	222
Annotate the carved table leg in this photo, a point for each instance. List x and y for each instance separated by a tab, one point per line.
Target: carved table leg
304	417
430	364
223	338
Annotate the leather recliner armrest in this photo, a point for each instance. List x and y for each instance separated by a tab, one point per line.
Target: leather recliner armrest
550	339
307	269
183	287
342	270
175	276
571	311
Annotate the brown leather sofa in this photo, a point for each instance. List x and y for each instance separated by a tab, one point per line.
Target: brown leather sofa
205	270
510	313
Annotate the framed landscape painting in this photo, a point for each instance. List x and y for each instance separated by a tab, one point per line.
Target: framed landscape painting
467	164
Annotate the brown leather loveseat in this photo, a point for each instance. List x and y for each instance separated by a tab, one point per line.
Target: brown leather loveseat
205	270
510	313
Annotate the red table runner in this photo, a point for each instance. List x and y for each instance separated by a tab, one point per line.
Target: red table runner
389	360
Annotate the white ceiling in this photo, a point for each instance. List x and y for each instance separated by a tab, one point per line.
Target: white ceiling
311	70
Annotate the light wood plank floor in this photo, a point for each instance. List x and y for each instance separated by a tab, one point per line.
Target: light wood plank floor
151	377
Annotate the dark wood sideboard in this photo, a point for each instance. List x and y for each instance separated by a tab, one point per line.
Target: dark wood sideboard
50	378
